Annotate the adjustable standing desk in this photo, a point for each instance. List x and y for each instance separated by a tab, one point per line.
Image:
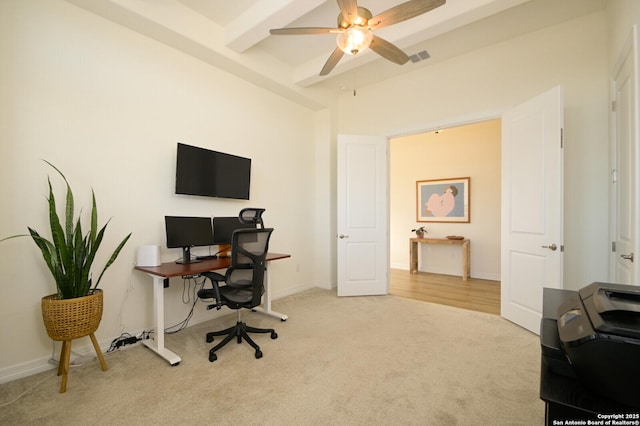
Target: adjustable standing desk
171	269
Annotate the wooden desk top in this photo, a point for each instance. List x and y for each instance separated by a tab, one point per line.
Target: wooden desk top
172	269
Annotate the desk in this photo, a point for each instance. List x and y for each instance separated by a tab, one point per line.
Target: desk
413	252
171	269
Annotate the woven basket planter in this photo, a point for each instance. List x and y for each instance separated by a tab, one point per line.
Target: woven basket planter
67	319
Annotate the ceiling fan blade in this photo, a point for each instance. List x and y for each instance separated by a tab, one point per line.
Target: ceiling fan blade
388	51
332	61
404	11
349	9
304	30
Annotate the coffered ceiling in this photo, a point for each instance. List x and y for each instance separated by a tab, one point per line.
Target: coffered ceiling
234	35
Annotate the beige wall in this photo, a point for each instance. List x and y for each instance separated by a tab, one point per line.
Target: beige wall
465	151
107	106
622	15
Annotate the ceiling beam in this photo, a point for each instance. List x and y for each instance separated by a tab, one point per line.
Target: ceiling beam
177	26
253	25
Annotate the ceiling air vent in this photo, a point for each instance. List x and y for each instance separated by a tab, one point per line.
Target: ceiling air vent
420	56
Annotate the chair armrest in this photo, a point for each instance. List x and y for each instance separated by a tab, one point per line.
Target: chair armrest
207	293
214	276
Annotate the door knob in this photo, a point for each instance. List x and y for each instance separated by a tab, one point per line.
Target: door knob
551	247
341	236
627	256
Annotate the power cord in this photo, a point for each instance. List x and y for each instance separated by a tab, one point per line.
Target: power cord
4	404
187	294
123	339
184	323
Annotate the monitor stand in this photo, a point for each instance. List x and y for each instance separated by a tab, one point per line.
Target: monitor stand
186	256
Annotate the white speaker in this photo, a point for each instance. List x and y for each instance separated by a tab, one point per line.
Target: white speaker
148	256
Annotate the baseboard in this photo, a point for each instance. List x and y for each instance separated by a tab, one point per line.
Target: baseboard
25	369
291	291
80	354
84	350
478	275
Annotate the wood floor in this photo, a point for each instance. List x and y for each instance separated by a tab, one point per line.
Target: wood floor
473	294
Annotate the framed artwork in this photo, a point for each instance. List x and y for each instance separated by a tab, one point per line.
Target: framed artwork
443	200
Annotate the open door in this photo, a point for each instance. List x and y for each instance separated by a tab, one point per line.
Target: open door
363	259
624	174
532	206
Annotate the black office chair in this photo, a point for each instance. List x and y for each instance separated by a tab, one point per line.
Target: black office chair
251	215
244	286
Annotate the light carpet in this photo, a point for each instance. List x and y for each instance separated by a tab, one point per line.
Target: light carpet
381	360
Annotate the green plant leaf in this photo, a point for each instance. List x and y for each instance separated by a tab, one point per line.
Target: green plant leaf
113	258
69	254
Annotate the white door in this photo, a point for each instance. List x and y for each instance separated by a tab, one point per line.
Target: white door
624	158
532	181
363	260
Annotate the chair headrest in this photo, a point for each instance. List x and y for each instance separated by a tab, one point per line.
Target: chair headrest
251	215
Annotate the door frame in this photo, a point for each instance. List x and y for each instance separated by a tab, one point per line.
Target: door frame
630	50
438	126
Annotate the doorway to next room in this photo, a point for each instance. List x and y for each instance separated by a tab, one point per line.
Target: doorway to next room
470	150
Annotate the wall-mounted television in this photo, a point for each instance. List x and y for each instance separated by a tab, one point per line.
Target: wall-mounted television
201	171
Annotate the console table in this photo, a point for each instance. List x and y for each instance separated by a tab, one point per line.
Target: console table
413	252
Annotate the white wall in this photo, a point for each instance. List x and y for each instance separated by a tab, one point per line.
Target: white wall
473	151
476	85
107	106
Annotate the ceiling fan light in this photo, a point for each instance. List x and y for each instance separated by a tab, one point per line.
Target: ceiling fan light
354	39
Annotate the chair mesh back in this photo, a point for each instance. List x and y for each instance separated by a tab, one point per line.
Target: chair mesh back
248	252
252	215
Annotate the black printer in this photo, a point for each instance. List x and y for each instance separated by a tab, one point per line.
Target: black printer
599	333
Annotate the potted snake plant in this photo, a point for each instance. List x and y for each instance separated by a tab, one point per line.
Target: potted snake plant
75	310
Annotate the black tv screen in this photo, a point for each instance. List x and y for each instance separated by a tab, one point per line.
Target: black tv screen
209	173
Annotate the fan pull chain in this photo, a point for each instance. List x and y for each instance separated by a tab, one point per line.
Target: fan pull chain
354	83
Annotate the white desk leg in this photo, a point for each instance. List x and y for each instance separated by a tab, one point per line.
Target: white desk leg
157	344
266	300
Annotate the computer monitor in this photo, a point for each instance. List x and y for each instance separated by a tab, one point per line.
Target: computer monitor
186	232
223	227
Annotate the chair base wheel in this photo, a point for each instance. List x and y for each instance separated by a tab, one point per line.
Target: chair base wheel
239	332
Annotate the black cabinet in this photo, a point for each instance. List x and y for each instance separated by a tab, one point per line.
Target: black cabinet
567	400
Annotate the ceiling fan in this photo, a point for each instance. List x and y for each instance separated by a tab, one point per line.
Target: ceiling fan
355	26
